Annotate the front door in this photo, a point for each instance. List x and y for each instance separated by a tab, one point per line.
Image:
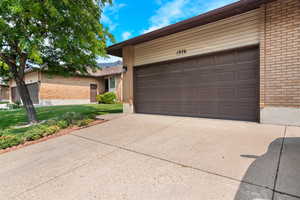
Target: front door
93	92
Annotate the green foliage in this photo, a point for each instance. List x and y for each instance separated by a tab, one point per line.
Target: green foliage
52	33
62	119
10	118
84	122
107	98
72	117
34	134
62	124
64	36
51	130
9	141
13	106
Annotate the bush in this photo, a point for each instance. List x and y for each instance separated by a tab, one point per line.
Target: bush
50	127
92	116
107	98
51	130
51	122
84	122
33	135
71	117
62	124
9	141
13	106
40	131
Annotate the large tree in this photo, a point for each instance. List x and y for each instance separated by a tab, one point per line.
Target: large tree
66	36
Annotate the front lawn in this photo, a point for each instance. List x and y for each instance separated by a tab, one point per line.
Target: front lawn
14	117
55	117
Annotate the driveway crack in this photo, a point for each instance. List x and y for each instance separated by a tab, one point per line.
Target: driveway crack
278	164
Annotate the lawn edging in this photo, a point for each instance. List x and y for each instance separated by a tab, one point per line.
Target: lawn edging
61	132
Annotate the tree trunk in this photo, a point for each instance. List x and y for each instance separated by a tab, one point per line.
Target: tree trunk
26	100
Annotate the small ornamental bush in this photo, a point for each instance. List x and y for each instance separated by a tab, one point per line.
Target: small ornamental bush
107	98
84	122
13	106
62	124
51	130
72	117
9	141
33	135
47	128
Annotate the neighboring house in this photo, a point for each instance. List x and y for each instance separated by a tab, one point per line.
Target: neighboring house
237	62
47	89
4	92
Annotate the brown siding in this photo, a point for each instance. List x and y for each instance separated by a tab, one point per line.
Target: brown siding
119	87
280	54
128	60
65	88
237	31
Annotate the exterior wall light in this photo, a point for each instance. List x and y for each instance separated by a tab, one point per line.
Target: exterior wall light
124	69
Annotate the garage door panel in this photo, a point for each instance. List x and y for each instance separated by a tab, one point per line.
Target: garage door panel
247	91
222	85
225	76
247	75
247	55
225	58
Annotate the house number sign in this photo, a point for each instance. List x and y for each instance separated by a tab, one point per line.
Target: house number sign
181	52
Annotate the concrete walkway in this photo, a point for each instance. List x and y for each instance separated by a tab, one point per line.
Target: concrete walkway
158	157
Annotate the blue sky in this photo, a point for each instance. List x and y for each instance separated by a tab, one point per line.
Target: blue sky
129	18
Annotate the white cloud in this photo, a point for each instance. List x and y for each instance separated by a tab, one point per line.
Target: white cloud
111	14
173	11
126	35
166	14
108	22
109	59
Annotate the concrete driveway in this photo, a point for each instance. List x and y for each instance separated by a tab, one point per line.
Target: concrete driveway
158	157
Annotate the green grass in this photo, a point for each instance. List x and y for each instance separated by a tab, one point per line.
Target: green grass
9	118
3	102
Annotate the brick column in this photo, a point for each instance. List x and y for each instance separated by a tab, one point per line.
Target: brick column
280	62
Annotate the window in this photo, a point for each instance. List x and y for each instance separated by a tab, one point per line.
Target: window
112	84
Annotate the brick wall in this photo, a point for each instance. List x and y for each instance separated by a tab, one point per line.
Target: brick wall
65	88
280	54
4	93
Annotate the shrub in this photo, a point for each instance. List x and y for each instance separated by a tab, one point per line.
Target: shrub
40	131
51	130
92	116
9	141
4	132
33	135
12	106
107	98
51	122
71	117
84	122
62	124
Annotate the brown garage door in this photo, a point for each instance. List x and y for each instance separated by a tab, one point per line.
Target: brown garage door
222	85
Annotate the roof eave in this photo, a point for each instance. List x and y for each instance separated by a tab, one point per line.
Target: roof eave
230	10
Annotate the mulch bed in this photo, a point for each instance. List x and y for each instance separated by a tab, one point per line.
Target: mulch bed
58	134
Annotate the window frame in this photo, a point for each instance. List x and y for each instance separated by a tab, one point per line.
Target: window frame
110	89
